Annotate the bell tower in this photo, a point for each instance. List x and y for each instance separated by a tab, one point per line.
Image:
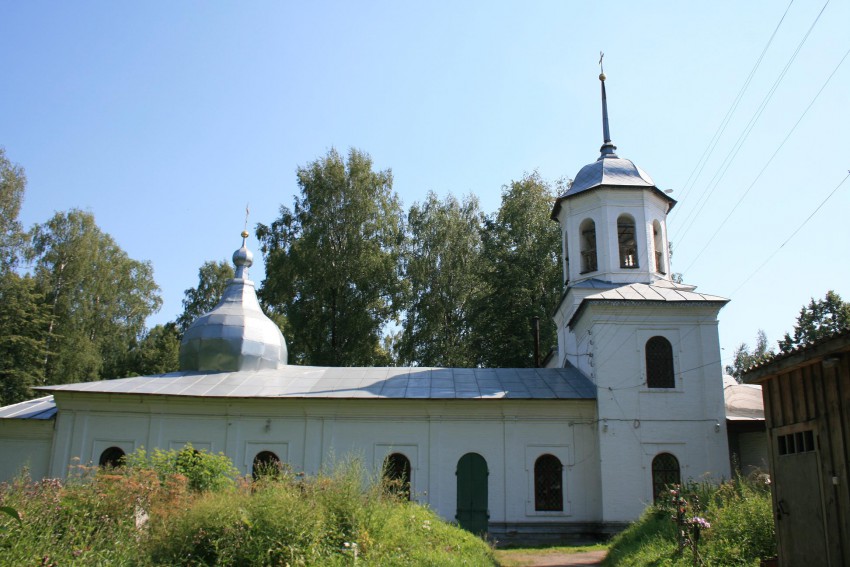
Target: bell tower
650	345
613	220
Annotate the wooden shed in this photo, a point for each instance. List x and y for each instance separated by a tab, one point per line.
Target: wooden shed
807	411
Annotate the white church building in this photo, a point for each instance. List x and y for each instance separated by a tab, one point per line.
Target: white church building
631	400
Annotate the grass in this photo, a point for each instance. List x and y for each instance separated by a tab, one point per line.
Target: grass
139	515
741	533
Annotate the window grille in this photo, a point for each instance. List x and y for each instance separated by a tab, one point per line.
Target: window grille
659	363
548	480
665	472
397	475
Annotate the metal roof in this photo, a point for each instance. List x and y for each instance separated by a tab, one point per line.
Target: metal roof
660	291
236	334
743	401
610	171
39	408
347	382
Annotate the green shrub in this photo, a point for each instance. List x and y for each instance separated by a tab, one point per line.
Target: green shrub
144	513
324	520
204	470
741	533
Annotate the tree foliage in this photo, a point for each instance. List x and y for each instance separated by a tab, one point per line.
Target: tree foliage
744	358
818	319
212	279
12	185
442	255
333	262
23	337
157	352
98	297
521	273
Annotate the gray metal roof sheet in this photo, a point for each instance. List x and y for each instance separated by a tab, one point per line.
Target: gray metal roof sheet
662	290
39	408
610	171
342	382
743	402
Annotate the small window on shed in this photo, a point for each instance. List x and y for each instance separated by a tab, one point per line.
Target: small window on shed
665	472
266	464
587	236
111	457
628	244
659	363
548	484
397	475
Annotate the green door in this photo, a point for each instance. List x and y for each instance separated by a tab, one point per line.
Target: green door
472	493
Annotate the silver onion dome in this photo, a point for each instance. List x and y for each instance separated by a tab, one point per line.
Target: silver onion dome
236	334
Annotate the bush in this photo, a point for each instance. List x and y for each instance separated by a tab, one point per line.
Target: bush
739	512
204	470
145	513
326	520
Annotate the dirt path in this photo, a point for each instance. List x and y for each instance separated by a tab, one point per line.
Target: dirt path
562	559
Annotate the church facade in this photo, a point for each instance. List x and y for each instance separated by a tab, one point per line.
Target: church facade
632	399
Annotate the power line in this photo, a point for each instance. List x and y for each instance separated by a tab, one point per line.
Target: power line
690	220
709	150
769	161
787	240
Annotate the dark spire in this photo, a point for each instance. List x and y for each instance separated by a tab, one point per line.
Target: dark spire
607	149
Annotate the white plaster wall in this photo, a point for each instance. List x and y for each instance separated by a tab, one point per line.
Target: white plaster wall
635	422
604	207
309	435
25	444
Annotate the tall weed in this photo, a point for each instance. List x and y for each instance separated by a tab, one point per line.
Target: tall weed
741	533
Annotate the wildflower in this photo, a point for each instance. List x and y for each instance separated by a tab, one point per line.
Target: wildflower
699	522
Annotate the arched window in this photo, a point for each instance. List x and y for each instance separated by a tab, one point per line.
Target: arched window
628	244
266	464
111	457
658	247
587	232
665	472
548	485
397	474
566	252
659	363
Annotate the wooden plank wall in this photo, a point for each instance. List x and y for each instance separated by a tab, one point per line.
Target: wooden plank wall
818	397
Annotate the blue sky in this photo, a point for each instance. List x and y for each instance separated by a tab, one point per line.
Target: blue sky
165	119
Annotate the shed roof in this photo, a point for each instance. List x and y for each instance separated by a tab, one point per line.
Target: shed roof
837	342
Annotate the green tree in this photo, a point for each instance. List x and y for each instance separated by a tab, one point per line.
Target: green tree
332	262
212	279
13	182
522	274
744	358
23	337
442	255
157	352
818	319
98	297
